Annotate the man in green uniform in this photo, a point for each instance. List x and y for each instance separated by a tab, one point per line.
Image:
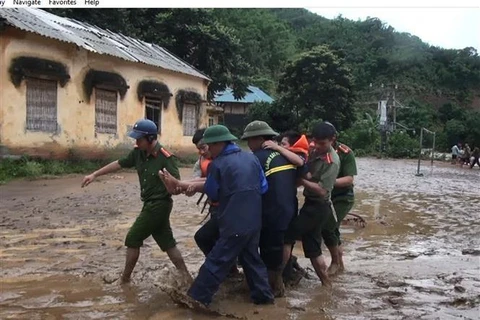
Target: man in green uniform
148	158
342	199
323	167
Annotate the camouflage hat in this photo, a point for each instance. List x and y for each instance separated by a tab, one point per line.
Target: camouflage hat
217	133
258	129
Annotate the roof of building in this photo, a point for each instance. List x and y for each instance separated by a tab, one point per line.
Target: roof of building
95	39
253	94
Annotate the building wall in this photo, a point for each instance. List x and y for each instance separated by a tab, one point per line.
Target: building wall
236	108
75	114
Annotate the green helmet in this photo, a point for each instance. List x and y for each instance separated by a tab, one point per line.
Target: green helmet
258	129
217	133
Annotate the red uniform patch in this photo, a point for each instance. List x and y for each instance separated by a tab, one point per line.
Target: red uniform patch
328	158
343	148
165	153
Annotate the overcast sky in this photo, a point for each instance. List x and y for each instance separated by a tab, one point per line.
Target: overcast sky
452	28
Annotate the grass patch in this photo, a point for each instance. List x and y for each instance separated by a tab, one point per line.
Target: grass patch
34	168
187	160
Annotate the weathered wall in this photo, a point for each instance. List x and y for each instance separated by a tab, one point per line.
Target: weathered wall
76	116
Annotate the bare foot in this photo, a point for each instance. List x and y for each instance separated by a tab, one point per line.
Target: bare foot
325	279
333	269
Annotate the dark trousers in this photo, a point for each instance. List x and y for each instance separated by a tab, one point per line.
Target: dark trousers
220	260
271	248
208	234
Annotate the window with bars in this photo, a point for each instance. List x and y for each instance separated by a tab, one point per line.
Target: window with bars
105	111
153	111
189	119
41	105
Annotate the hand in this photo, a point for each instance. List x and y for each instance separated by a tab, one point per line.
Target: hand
190	191
269	144
87	180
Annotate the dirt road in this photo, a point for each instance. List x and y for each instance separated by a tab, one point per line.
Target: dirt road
62	248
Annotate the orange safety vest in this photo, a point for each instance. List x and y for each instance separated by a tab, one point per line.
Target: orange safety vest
301	146
204	163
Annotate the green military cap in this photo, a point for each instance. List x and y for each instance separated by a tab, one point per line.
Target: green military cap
258	129
217	133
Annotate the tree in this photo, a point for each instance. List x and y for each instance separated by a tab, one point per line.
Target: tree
272	113
194	35
318	85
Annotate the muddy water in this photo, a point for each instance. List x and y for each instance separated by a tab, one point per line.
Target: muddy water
61	250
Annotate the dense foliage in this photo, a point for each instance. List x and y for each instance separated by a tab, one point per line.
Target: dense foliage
317	68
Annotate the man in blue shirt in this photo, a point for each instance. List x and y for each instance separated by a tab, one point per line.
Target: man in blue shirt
236	181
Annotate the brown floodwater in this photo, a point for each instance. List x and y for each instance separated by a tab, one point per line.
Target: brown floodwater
61	250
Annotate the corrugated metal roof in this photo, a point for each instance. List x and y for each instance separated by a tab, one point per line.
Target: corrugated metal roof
253	94
96	40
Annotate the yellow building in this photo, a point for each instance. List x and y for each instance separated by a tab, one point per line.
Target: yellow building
66	85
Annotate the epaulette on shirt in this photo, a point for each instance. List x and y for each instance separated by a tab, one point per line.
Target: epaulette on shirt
166	153
343	148
328	158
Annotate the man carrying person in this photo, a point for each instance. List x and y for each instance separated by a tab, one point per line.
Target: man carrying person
342	198
295	147
323	167
279	202
236	181
148	157
208	234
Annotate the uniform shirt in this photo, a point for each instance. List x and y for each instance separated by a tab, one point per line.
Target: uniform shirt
279	202
348	167
152	187
236	181
324	170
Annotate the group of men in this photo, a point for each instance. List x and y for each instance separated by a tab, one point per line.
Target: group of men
254	216
465	155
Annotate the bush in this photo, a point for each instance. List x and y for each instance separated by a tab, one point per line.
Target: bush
363	137
401	145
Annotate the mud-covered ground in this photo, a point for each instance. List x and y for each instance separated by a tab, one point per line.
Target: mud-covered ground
417	258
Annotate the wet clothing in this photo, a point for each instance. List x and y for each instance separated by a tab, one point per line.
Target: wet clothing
208	234
342	208
154	219
236	180
308	225
342	198
278	205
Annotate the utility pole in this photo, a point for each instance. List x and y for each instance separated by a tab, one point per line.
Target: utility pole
394	109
